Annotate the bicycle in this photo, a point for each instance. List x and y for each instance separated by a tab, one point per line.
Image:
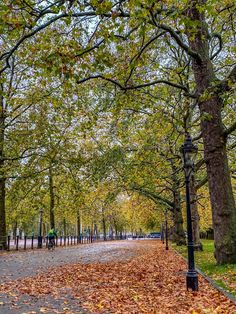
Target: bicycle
51	244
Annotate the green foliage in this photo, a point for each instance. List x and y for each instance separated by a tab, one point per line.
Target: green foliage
107	141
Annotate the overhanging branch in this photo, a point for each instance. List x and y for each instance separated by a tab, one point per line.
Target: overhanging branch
153	196
133	87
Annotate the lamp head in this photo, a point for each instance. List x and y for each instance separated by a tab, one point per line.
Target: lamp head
189	152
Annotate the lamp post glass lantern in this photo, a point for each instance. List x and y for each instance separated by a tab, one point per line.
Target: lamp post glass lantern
189	151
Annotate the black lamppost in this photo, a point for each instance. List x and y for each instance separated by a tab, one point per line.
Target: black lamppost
166	229
188	150
40	238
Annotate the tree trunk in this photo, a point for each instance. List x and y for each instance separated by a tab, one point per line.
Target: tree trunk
178	235
116	228
111	232
210	105
78	226
3	229
52	198
104	226
95	231
64	227
195	216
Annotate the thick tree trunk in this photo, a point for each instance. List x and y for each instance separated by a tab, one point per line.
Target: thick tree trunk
195	216
178	235
52	199
220	188
210	105
3	229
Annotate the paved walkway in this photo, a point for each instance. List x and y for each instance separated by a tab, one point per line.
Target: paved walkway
125	277
23	264
17	265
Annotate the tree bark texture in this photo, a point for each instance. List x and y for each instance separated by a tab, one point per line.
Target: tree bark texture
215	155
195	215
178	235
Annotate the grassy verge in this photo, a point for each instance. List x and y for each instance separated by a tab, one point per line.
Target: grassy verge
223	275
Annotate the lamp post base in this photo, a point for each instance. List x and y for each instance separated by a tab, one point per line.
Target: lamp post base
192	280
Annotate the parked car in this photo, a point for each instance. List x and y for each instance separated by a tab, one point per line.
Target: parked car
154	235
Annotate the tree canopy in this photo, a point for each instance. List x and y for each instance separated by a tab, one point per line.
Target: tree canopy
96	99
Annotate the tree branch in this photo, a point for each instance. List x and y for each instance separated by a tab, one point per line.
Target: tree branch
91	48
97	76
201	183
229	82
155	197
228	131
8	54
216	35
180	42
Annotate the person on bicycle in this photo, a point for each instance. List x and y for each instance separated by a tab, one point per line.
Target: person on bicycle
51	236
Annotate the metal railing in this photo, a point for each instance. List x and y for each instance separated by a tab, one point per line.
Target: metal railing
32	242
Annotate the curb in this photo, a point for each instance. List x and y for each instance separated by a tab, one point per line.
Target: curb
229	295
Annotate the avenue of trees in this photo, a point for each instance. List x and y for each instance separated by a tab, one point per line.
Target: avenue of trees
95	100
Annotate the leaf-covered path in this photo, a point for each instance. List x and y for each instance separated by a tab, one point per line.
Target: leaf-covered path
113	277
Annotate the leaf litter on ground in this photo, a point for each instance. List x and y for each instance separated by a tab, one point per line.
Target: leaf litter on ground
152	282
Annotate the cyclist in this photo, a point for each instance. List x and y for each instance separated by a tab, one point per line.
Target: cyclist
51	238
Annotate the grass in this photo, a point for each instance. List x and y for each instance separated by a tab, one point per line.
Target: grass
223	275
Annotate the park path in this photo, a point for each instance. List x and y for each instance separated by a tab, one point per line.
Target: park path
22	264
130	277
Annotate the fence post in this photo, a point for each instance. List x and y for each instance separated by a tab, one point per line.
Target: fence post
60	240
64	240
25	239
47	242
68	240
56	241
71	240
17	243
8	242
